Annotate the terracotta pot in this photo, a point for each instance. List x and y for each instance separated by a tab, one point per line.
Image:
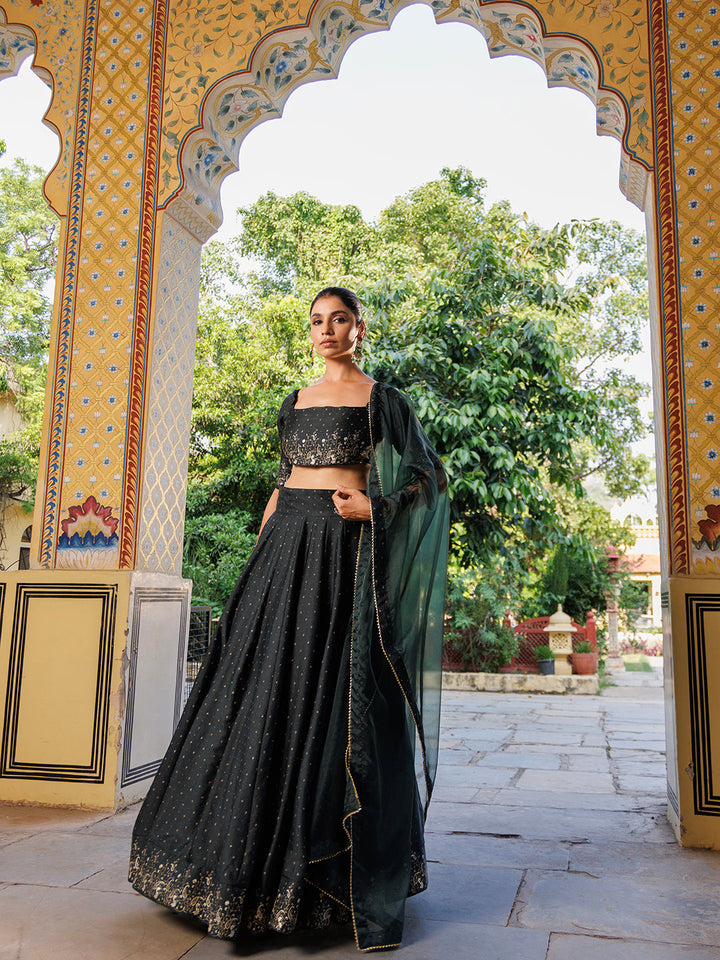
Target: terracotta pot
585	663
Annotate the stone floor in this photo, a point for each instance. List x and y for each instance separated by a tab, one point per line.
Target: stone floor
547	841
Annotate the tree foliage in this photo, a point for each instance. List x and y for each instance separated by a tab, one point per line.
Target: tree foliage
242	373
28	255
508	337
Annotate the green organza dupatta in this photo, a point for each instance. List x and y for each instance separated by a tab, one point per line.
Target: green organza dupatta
395	670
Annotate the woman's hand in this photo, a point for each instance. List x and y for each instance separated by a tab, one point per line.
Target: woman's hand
351	504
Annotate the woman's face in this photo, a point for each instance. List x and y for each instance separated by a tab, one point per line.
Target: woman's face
333	328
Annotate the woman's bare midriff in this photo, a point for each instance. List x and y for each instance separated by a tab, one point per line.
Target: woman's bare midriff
328	478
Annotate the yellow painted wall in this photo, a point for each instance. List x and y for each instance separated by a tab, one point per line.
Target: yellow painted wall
59	736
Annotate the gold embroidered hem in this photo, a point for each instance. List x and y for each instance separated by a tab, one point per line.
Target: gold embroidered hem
228	911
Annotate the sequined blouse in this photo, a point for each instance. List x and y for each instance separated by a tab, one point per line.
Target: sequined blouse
321	436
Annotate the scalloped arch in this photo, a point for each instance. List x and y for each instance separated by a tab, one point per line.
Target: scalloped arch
283	61
55	58
16	44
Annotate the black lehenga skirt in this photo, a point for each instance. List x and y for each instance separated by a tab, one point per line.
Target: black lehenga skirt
243	825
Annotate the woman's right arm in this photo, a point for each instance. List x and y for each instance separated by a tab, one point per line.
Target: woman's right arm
269	509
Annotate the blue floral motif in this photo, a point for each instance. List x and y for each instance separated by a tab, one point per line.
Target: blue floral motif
281	66
76	542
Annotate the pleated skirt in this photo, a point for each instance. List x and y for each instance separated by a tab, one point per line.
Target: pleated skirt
243	825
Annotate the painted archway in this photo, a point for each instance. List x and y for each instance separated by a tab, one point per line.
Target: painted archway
151	103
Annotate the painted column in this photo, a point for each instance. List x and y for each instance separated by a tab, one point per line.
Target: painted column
685	223
94	635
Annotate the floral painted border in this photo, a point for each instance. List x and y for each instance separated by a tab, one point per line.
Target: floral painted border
233	104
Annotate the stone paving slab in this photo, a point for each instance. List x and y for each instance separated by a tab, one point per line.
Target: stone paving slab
461	893
643	861
568	947
479	732
555	750
57	859
598	762
547	840
531	822
422	940
642	785
640	764
559	800
52	923
620	907
526	761
479	775
119	825
454	794
652	731
112	879
496	852
566	781
18	822
636	753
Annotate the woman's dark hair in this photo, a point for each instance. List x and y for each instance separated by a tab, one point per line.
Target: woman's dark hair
350	299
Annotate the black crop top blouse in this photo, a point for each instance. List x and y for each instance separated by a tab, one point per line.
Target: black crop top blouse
321	436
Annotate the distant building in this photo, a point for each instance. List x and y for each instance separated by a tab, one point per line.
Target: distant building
643	559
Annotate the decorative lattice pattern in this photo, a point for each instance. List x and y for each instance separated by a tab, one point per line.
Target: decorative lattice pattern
56	35
530	635
101	271
694	31
162	504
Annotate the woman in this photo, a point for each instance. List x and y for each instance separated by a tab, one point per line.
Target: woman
288	796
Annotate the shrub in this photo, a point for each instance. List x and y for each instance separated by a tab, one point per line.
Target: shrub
651	646
475	620
217	547
543	652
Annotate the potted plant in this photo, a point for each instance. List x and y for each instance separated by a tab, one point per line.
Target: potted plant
545	659
584	659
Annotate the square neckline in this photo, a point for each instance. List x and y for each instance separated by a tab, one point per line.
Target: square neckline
332	406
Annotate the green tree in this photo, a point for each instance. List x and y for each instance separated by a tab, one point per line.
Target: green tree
575	571
242	372
609	262
28	255
506	335
589	279
299	241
